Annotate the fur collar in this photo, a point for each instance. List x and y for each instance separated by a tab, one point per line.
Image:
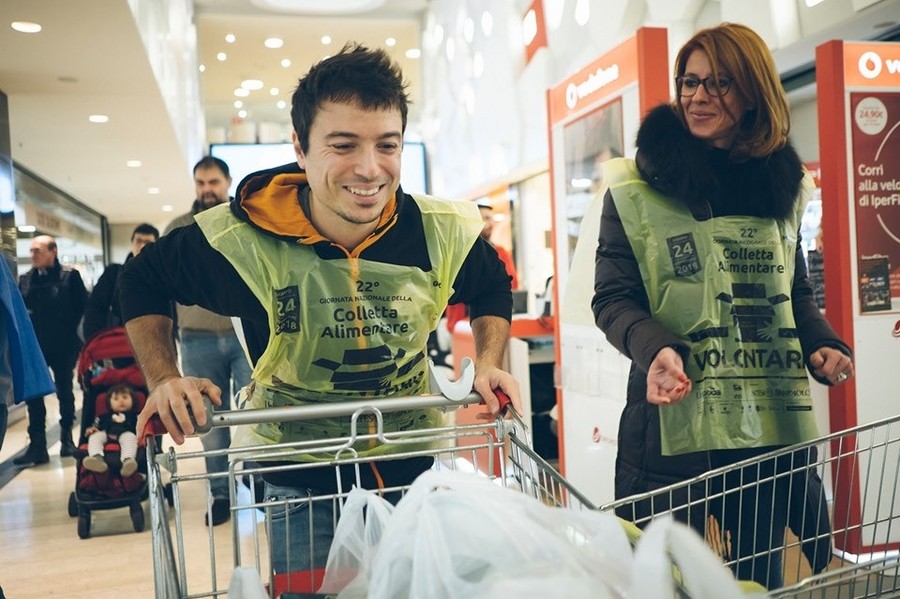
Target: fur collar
679	165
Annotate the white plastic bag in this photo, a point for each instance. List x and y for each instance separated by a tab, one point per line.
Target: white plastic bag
246	584
363	518
666	542
460	535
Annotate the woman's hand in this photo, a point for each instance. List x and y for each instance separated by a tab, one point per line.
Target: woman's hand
666	381
831	364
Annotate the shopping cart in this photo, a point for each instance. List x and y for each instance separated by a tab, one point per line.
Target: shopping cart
198	561
839	496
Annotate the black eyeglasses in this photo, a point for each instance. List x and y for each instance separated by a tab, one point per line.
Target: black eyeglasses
689	85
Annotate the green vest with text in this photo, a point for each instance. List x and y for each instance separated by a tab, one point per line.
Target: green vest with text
724	286
344	329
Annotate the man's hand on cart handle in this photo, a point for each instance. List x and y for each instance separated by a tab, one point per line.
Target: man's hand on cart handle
490	380
173	403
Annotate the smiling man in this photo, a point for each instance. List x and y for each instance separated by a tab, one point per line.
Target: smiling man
338	276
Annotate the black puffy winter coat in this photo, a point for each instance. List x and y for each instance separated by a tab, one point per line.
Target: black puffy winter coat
707	180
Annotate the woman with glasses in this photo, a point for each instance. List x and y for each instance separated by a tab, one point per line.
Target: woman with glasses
700	280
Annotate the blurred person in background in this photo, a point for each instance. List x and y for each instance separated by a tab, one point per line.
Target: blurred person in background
102	310
457	312
55	297
209	345
23	371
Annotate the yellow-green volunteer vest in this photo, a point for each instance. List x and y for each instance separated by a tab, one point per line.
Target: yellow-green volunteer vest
347	329
724	286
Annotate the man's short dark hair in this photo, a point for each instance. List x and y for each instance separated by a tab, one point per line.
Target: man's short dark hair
145	229
208	162
356	74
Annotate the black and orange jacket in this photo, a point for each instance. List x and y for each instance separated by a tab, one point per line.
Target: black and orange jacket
182	266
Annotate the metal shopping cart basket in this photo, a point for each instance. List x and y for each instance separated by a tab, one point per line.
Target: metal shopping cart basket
197	561
838	496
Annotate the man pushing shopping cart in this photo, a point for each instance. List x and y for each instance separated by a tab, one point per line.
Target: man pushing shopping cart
338	277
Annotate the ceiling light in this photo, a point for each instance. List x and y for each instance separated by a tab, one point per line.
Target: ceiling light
273	42
25	26
167	208
229	38
240	92
153	190
413	53
242	114
238	104
582	12
98	118
487	23
319	7
553	13
133	163
811	3
326	39
579	183
469	29
390	42
274	91
202	68
221	57
529	27
252	84
478	64
26	228
285	62
281	104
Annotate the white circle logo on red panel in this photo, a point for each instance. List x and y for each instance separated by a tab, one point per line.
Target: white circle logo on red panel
869	65
870	116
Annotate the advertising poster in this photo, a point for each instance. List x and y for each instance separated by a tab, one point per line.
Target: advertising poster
876	188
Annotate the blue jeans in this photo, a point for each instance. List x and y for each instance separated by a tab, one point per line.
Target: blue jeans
302	530
220	358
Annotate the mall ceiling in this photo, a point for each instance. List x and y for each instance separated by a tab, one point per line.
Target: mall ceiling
93	61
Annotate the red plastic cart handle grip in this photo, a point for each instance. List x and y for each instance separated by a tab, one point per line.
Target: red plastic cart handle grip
505	401
154	427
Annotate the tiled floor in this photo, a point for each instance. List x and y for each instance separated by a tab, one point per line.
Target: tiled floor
41	554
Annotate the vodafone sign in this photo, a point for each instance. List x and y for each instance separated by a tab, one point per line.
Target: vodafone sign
871	64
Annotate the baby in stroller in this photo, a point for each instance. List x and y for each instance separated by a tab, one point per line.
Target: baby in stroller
109	472
117	424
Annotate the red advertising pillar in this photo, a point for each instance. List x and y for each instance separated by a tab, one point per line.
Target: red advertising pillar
858	87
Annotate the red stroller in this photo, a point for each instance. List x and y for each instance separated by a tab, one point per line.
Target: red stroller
106	361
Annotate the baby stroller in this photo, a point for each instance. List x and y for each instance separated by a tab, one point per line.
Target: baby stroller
106	361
